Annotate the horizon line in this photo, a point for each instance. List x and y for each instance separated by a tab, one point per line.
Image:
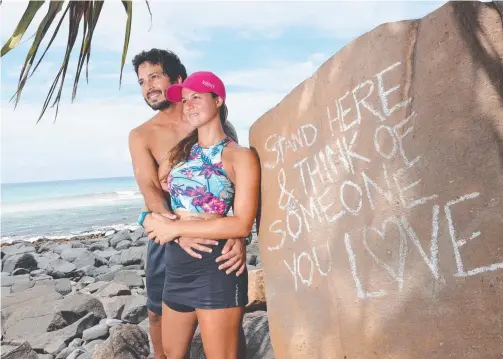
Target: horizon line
65	180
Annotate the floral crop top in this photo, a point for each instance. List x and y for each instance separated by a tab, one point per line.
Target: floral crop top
201	184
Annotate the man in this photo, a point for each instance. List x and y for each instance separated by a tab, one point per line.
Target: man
149	145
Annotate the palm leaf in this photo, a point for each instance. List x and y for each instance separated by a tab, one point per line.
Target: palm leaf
87	12
128	6
50	42
54	8
88	8
21	27
150	12
96	15
91	15
76	11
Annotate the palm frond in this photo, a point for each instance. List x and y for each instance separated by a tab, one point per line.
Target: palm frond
91	16
80	13
128	6
54	8
26	19
150	12
76	13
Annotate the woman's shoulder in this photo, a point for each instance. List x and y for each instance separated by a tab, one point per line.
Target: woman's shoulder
236	152
236	149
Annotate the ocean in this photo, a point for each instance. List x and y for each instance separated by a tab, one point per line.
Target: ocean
59	209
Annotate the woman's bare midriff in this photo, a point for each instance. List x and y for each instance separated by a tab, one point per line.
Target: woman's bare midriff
187	216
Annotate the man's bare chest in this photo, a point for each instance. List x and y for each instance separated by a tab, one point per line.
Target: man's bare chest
162	143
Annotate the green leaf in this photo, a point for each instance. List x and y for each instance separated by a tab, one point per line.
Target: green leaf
76	10
88	23
26	19
86	10
96	15
54	8
52	39
128	6
150	12
76	13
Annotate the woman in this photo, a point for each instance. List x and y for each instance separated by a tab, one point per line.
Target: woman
208	173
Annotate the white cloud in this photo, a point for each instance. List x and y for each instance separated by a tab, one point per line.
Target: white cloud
281	76
110	31
176	25
88	139
340	19
265	88
179	26
129	77
246	107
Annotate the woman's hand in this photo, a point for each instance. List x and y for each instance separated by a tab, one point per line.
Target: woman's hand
163	229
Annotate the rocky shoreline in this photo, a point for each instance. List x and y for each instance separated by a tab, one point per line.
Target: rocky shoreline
84	298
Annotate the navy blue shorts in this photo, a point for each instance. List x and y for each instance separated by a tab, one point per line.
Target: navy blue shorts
198	283
155	267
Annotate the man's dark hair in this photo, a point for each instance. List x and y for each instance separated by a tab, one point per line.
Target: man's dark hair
169	61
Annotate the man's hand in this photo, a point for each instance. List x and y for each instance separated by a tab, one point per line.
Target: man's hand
200	244
234	255
189	244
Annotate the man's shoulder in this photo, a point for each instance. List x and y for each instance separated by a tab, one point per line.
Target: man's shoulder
145	129
146	126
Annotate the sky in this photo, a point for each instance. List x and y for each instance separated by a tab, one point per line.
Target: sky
262	50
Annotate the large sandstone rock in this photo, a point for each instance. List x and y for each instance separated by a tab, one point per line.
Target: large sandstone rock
256	290
381	231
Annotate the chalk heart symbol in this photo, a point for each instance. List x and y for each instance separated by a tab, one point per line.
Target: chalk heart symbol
383	242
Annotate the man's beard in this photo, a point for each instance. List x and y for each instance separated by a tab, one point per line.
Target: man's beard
157	106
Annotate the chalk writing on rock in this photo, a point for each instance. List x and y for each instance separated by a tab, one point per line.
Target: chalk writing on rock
337	181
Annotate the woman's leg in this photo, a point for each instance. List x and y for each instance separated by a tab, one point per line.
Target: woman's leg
177	331
220	330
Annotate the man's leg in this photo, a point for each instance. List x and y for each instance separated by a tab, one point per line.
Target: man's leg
155	268
155	329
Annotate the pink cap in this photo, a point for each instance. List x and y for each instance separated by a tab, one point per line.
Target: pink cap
202	81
